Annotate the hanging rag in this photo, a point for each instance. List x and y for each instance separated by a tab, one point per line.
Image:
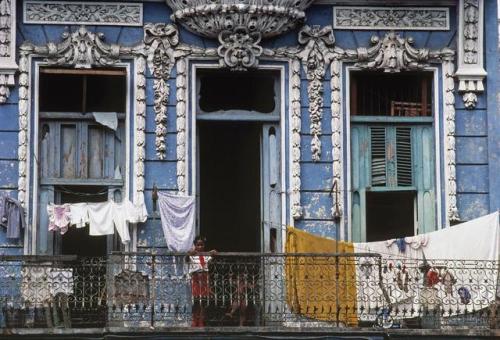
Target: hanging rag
177	220
108	119
3	218
59	217
313	289
79	214
12	217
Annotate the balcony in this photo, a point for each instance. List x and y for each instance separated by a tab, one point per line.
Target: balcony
283	292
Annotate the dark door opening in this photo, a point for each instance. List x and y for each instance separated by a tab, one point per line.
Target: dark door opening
229	167
389	215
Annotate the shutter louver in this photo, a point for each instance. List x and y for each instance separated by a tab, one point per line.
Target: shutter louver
378	156
403	156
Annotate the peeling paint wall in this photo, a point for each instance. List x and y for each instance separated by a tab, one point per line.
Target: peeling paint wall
477	131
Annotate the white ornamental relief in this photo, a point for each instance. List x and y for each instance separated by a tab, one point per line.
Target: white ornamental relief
470	72
78	13
316	55
391	18
160	40
8	66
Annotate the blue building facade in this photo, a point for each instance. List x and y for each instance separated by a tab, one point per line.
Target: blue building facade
358	121
460	152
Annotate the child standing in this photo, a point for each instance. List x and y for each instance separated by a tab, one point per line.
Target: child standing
200	284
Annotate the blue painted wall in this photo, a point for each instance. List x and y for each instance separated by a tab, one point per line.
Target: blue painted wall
478	141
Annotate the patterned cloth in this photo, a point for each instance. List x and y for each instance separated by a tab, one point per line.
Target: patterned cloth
59	217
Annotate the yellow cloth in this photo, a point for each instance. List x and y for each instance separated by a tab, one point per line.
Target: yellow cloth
312	280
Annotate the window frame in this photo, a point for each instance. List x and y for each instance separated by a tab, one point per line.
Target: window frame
34	173
435	120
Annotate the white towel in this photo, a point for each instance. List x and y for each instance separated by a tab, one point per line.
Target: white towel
177	220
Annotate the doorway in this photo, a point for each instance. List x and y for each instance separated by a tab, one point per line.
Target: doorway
230	185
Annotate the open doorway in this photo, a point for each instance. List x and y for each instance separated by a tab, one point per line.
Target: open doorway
389	215
230	185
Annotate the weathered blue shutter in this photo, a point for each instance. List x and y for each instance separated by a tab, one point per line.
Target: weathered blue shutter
424	174
271	188
390	157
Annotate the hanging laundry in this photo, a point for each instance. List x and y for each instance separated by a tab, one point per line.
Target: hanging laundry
59	217
100	219
452	257
12	216
79	214
178	220
313	289
124	213
104	217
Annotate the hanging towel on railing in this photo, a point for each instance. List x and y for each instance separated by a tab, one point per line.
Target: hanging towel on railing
314	288
177	220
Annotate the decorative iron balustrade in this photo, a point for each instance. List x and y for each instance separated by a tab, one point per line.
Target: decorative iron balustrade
286	290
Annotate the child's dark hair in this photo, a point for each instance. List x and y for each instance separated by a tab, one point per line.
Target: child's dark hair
199	238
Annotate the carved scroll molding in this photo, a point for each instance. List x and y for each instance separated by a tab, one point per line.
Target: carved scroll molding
160	41
391	18
470	72
80	49
393	54
337	127
181	107
239	49
77	13
295	125
449	140
140	127
8	66
316	55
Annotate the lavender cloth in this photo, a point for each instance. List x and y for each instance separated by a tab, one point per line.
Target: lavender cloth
177	220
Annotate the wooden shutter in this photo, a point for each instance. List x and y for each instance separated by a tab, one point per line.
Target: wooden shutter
403	156
378	156
391	156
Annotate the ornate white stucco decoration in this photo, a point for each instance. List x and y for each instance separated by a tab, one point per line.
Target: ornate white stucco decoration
239	49
163	52
160	41
337	124
391	18
239	24
394	54
80	49
140	127
295	127
316	55
8	66
77	13
449	140
470	72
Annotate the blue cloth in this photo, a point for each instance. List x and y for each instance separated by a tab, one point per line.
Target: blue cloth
401	243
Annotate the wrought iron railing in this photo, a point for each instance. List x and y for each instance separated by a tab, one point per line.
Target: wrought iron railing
316	290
